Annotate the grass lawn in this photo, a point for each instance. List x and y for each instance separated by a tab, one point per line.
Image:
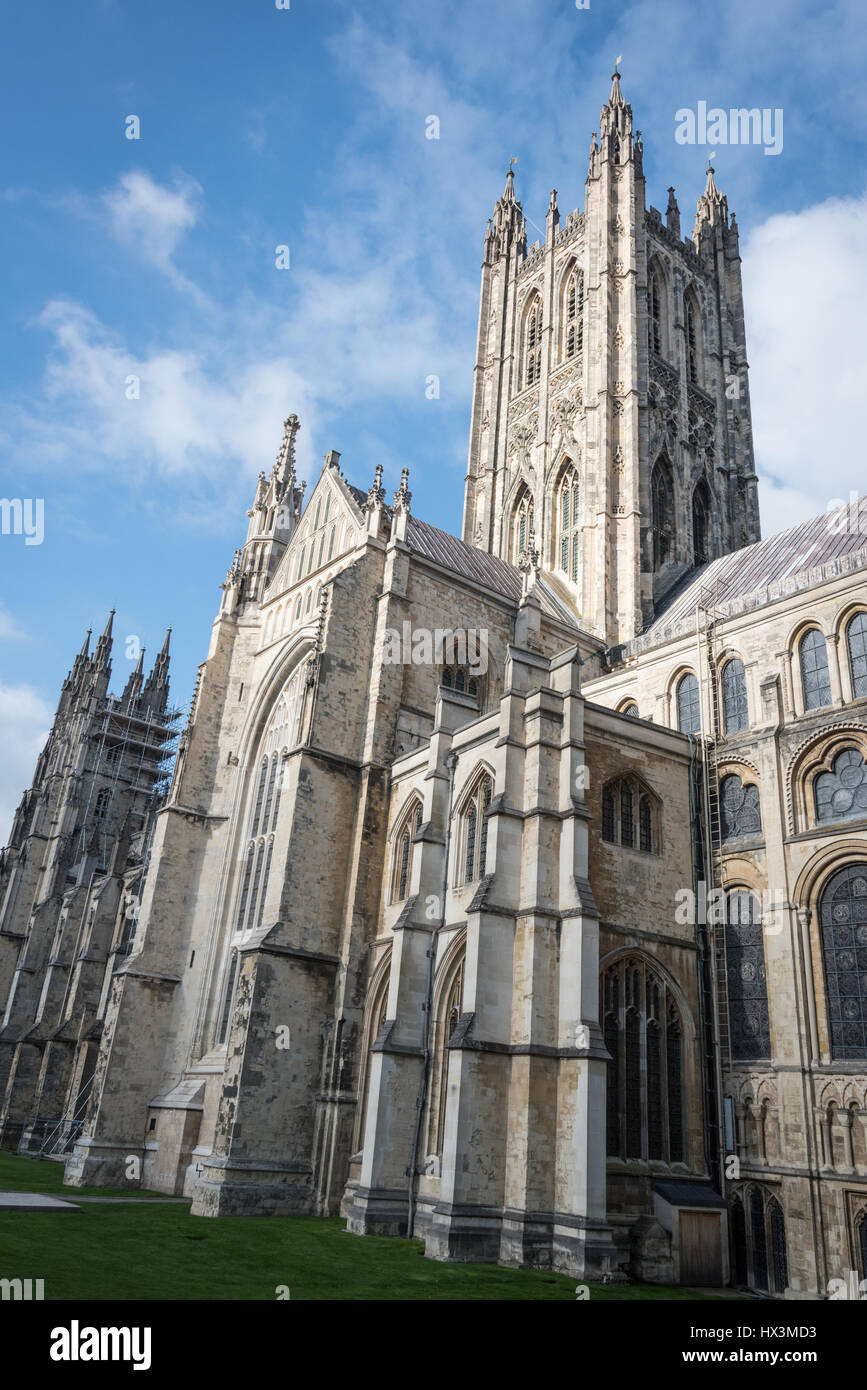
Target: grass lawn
148	1251
20	1174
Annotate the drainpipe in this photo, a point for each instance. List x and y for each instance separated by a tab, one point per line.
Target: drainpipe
421	1099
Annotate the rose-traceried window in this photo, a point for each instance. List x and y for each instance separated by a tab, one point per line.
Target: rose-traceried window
841	794
740	809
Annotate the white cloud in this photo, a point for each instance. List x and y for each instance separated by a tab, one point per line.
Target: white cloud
805	292
150	220
25	719
9	629
152	217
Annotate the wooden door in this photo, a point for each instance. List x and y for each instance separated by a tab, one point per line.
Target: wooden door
700	1249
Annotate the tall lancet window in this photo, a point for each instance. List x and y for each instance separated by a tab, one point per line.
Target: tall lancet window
264	792
523	530
533	342
654	312
573	315
568	510
662	505
693	340
701	523
644	1036
473	842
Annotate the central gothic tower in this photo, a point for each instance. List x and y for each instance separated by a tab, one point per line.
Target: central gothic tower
611	430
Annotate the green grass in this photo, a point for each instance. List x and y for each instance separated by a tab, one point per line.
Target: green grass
161	1252
19	1173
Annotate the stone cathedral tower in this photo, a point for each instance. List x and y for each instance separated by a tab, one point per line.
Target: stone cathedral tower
611	421
68	877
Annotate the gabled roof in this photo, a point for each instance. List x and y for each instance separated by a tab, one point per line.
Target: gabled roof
481	567
816	550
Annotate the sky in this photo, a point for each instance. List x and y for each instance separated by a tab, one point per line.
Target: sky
151	345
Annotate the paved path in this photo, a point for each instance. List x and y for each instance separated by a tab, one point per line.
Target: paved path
41	1201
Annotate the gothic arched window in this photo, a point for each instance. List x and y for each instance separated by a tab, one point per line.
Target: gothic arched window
862	1243
533	342
656	311
856	641
377	1010
662	508
573	315
401	873
759	1240
568	506
263	807
739	809
734	694
693	340
628	815
448	1014
841	794
100	809
523	529
474	819
701	523
843	925
688	705
739	1241
779	1257
746	980
644	1103
815	677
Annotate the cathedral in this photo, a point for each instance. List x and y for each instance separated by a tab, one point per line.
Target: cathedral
508	892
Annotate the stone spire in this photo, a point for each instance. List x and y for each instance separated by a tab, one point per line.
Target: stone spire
132	689
712	208
103	646
157	683
672	214
508	226
284	469
615	131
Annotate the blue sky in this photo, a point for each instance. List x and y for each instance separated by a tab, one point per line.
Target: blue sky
305	127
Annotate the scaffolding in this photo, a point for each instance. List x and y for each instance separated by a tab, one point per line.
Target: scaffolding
135	752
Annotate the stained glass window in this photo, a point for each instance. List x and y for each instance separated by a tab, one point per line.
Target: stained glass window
688	705
692	341
475	816
654	316
841	794
843	924
620	800
608	830
645	825
815	677
662	507
734	693
701	524
627	828
739	1241
759	1240
573	315
746	979
533	344
779	1258
642	1032
568	514
856	640
740	809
